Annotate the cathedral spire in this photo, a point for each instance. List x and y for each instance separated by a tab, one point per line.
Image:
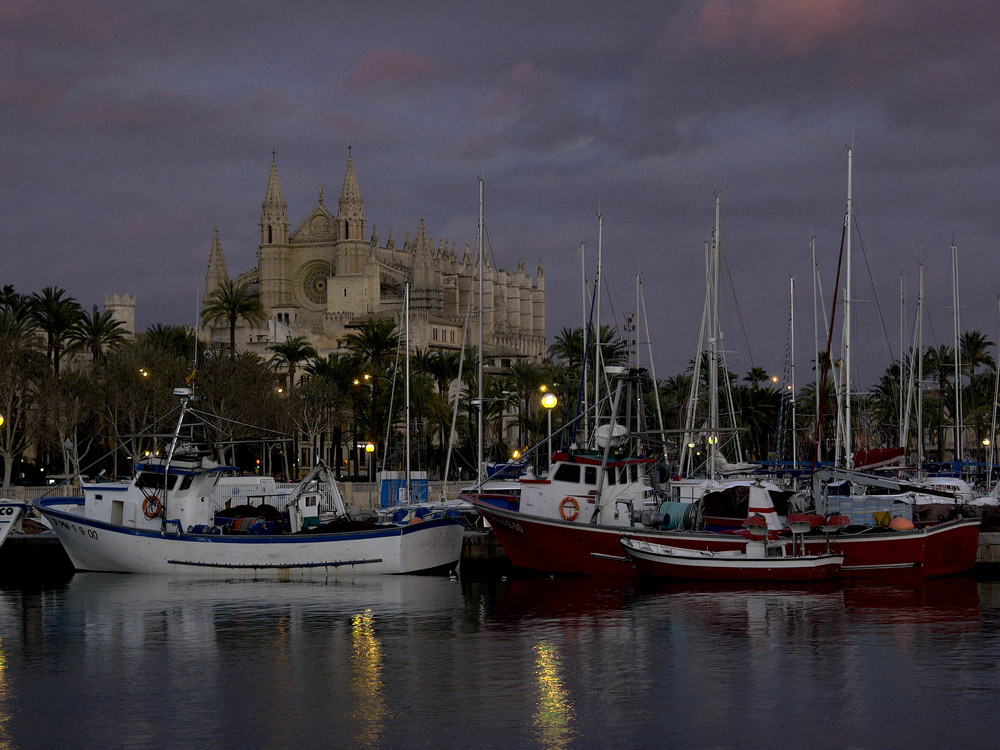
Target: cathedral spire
217	272
273	211
351	206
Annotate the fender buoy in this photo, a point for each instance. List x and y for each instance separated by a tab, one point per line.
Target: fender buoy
152	507
569	508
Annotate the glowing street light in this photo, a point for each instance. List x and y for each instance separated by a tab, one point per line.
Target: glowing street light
549	401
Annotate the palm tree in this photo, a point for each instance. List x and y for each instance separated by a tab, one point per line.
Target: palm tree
940	364
975	349
567	347
97	332
232	302
177	341
56	315
290	355
756	376
373	346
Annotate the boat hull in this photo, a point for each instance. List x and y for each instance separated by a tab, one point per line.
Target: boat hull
558	546
671	562
10	514
99	546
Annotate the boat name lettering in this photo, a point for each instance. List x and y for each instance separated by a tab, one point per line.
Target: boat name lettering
7	511
513	526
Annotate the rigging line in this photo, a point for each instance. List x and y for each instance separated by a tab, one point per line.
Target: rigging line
829	343
496	278
739	314
864	253
586	350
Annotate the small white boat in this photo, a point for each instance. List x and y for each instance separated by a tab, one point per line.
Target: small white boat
165	521
760	561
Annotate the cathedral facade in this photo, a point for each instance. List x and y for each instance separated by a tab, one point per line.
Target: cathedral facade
330	274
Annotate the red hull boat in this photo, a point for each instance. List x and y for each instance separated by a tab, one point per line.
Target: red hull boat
558	546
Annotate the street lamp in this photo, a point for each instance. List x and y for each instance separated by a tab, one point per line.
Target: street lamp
549	401
369	449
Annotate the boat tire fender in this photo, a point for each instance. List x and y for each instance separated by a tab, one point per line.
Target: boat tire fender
569	508
152	507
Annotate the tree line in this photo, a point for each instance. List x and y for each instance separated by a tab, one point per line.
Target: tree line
80	395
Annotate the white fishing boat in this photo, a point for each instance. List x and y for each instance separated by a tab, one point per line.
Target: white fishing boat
758	562
164	521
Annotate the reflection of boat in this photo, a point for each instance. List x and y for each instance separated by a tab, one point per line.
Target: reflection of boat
758	561
163	521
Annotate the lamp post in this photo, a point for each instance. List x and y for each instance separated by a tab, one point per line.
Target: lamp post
549	401
369	449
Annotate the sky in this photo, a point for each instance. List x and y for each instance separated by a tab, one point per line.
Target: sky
130	130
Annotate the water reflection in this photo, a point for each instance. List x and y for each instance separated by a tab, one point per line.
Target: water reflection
555	709
5	709
370	710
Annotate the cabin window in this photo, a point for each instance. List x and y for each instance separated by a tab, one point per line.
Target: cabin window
568	473
149	480
186	482
634	471
590	474
612	477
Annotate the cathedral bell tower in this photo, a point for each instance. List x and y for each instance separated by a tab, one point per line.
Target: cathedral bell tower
274	252
273	212
351	207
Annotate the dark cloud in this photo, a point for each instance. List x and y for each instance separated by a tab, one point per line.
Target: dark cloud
129	131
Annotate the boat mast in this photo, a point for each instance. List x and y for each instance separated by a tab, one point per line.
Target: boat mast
920	373
479	416
903	394
713	438
816	377
406	301
598	367
584	331
956	325
652	367
993	422
791	308
848	447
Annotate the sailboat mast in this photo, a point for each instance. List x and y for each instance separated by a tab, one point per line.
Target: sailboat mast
902	343
848	447
584	336
597	323
956	325
479	417
714	375
791	309
993	421
409	498
920	373
816	368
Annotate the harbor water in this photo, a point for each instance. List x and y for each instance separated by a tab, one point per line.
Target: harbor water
486	661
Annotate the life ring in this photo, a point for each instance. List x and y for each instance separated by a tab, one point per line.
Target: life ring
152	507
569	509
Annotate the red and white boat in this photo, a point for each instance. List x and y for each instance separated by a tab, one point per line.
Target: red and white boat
571	520
759	562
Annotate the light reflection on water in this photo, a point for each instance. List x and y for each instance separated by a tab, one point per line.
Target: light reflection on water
369	709
554	715
139	661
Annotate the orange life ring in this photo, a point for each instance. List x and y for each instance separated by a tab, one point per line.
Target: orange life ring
569	509
152	507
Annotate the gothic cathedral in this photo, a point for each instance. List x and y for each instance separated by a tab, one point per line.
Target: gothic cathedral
330	275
